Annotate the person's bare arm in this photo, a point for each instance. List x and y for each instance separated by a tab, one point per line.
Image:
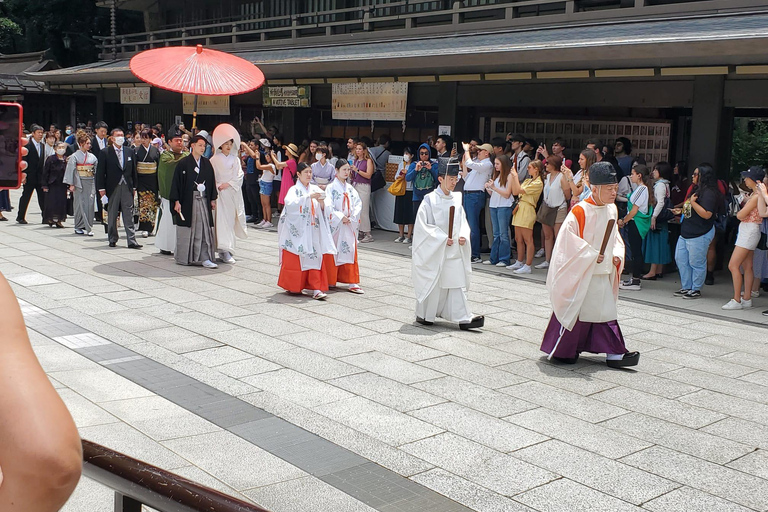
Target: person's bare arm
40	448
750	205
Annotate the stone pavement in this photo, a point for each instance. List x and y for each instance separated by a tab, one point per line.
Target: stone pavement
346	405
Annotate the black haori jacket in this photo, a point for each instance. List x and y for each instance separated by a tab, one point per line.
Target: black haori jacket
185	181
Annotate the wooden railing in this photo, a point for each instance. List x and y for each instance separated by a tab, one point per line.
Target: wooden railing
137	483
405	17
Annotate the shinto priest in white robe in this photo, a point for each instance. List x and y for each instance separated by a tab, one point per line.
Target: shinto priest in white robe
584	293
440	273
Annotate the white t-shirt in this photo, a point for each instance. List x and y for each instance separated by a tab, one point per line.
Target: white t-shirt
639	198
279	176
497	200
553	192
267	176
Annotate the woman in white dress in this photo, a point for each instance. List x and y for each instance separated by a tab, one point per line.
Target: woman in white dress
230	208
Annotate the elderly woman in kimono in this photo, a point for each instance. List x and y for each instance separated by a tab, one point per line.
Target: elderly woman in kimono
583	278
343	208
230	209
304	237
79	175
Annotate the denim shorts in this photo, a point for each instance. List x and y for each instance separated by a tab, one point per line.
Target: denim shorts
265	188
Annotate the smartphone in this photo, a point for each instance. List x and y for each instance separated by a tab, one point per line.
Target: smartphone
455	146
10	145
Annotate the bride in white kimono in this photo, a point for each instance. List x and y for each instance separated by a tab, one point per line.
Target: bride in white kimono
440	267
230	209
304	237
343	208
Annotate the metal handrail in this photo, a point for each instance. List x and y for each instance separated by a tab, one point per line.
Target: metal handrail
136	483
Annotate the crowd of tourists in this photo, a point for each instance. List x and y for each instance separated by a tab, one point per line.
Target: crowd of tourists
668	217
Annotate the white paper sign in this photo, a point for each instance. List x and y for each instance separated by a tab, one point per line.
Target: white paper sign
444	129
134	95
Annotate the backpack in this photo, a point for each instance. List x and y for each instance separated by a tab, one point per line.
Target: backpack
425	180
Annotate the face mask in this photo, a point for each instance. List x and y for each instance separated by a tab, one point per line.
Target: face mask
61	151
406	158
69	132
318	156
119	141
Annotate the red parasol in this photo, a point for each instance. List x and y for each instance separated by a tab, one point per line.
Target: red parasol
195	70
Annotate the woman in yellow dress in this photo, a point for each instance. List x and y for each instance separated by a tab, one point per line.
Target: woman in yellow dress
524	216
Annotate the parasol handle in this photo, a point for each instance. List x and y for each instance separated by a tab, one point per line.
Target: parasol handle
194	106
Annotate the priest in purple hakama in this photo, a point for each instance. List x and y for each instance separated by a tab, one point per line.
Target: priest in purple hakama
583	281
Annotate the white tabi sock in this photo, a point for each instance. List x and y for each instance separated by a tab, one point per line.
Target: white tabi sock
614	357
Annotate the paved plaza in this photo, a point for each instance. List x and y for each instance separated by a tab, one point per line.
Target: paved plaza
348	405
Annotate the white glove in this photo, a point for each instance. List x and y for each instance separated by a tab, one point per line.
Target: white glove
104	200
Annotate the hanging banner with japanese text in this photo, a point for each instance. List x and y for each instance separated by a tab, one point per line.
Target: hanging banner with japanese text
385	101
207	105
134	95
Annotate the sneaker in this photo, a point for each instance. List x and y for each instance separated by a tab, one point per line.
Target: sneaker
733	305
630	284
79	232
755	294
543	265
366	239
746	304
681	292
693	294
487	262
209	264
267	225
399	239
516	265
408	240
477	260
540	253
501	264
525	269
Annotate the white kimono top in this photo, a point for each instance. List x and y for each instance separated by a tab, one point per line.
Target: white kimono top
230	208
579	287
434	263
303	229
342	200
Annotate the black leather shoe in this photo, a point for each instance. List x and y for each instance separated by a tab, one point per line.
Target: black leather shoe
135	246
566	360
424	322
476	323
166	253
21	221
710	279
112	244
629	359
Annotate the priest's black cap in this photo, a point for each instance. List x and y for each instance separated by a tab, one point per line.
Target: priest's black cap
602	173
173	132
452	168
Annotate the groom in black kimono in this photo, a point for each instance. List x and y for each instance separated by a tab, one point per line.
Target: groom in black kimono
193	196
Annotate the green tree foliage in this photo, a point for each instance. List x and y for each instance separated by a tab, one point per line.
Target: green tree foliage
44	23
8	30
750	144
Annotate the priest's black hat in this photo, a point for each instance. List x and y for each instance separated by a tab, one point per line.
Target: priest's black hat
602	173
452	168
173	132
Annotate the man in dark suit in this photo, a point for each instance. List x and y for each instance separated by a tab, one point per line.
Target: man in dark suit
116	180
35	159
98	144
